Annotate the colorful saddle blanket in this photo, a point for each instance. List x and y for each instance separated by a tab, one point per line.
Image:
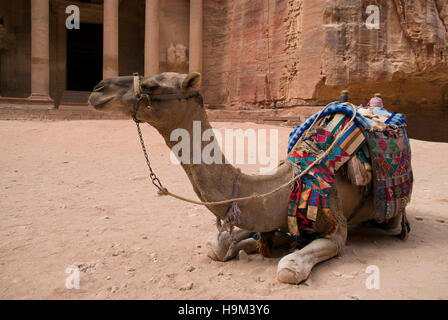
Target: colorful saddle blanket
393	119
389	152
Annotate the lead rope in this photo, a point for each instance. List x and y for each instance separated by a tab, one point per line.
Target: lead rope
233	212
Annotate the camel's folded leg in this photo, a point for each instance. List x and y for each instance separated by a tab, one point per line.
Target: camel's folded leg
296	266
218	245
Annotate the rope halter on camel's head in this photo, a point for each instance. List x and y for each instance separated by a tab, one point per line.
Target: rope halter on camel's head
139	95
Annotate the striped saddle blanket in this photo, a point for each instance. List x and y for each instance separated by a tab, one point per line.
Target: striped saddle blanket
376	136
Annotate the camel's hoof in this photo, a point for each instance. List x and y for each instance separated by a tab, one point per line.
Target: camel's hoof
289	276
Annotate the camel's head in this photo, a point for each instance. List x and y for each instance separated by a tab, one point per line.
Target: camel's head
117	94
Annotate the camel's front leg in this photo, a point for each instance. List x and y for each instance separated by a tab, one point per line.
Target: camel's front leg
296	266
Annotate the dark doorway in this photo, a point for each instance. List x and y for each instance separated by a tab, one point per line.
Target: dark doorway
84	57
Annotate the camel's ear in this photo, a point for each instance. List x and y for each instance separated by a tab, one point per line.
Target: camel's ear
192	81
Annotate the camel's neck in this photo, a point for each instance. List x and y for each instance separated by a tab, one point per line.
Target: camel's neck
212	180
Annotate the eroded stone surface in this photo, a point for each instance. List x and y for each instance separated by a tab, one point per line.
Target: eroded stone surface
271	54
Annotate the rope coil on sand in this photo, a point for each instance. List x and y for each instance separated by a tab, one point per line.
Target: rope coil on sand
164	191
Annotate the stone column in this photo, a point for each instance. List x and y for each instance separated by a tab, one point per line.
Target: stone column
152	37
110	39
195	49
40	52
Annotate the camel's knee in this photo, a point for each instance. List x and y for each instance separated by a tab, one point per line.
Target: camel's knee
296	267
293	268
219	244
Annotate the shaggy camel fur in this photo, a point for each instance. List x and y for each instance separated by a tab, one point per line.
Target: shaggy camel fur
214	182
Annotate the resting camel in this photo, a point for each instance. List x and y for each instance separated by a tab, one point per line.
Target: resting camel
215	182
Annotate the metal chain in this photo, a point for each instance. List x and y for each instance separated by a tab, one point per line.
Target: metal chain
155	181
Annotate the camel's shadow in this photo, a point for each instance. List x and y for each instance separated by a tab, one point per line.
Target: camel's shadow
426	230
365	240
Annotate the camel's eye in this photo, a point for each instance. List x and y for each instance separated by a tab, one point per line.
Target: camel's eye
149	87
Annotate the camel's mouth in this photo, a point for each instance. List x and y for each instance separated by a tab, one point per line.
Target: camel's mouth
97	102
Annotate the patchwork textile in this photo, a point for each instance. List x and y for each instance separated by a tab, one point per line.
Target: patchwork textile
376	136
312	190
392	173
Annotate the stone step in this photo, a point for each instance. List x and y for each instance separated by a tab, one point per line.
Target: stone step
73	97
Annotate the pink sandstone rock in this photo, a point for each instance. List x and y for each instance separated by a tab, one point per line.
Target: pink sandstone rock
282	53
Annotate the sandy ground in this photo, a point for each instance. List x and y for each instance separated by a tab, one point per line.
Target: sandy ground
76	193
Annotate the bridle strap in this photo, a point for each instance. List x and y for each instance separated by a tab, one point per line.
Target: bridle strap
161	97
175	96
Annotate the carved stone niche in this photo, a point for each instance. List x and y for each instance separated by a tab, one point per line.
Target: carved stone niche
177	58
